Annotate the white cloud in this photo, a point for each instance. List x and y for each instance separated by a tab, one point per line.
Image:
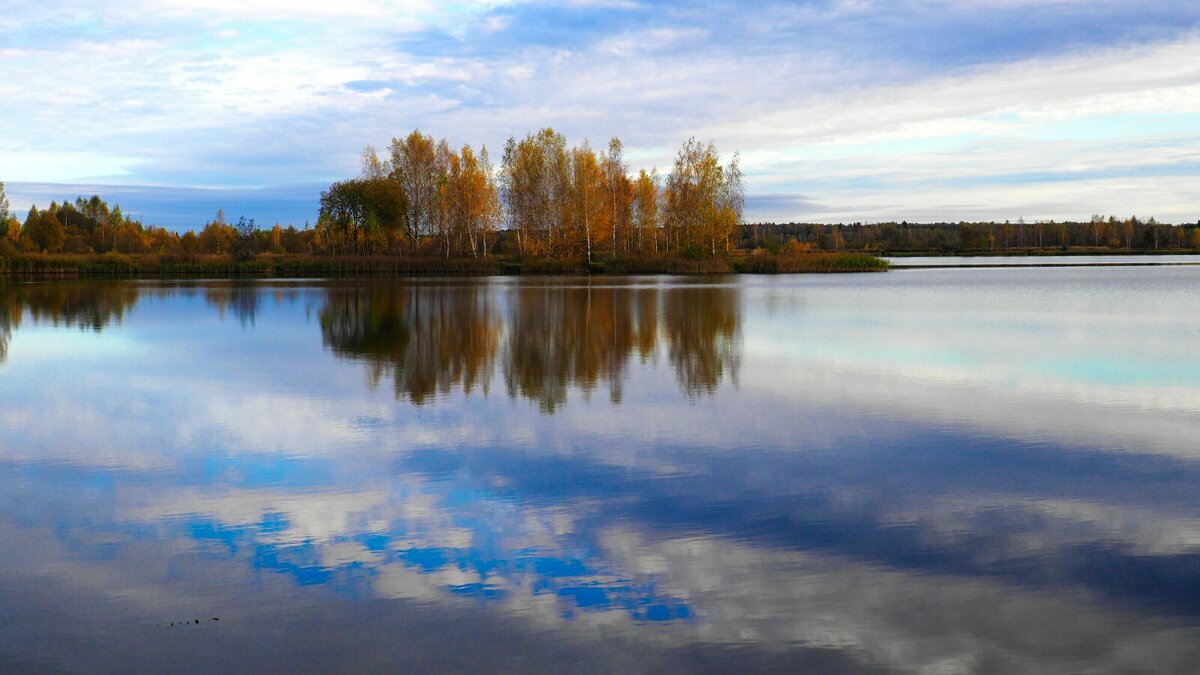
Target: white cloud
868	137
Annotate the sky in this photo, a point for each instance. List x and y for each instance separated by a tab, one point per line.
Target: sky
842	110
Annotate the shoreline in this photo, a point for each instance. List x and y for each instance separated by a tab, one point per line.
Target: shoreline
291	266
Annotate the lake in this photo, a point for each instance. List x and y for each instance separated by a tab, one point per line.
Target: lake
934	470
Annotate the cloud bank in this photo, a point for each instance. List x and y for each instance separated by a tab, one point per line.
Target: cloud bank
844	110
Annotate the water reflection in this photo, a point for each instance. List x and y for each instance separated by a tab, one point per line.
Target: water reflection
431	339
427	339
875	493
576	336
89	306
550	337
240	298
701	326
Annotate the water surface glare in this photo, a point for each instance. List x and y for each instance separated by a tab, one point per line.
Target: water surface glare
934	470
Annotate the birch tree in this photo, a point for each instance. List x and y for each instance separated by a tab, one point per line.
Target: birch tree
414	166
645	208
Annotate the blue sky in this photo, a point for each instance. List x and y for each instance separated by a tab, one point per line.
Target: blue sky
843	110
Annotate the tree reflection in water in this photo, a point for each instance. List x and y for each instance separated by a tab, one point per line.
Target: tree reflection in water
87	305
428	339
701	326
551	337
241	298
543	337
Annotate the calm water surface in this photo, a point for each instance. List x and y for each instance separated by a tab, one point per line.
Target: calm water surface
1044	261
949	470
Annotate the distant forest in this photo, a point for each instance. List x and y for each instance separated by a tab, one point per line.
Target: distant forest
1098	234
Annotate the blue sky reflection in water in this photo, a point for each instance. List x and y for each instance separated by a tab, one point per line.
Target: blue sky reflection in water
944	469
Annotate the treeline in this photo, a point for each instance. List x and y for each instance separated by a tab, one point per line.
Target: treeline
1100	233
90	226
548	200
87	225
548	207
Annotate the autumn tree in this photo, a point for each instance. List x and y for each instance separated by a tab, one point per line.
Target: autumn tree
587	188
1097	224
12	232
129	237
447	212
159	240
218	236
32	219
732	202
518	184
486	208
189	243
537	186
93	208
645	208
414	167
43	230
469	193
372	166
563	203
618	193
10	227
702	203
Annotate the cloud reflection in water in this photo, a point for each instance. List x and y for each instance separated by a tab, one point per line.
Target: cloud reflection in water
848	505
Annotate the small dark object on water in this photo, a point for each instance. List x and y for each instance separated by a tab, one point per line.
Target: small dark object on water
197	620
